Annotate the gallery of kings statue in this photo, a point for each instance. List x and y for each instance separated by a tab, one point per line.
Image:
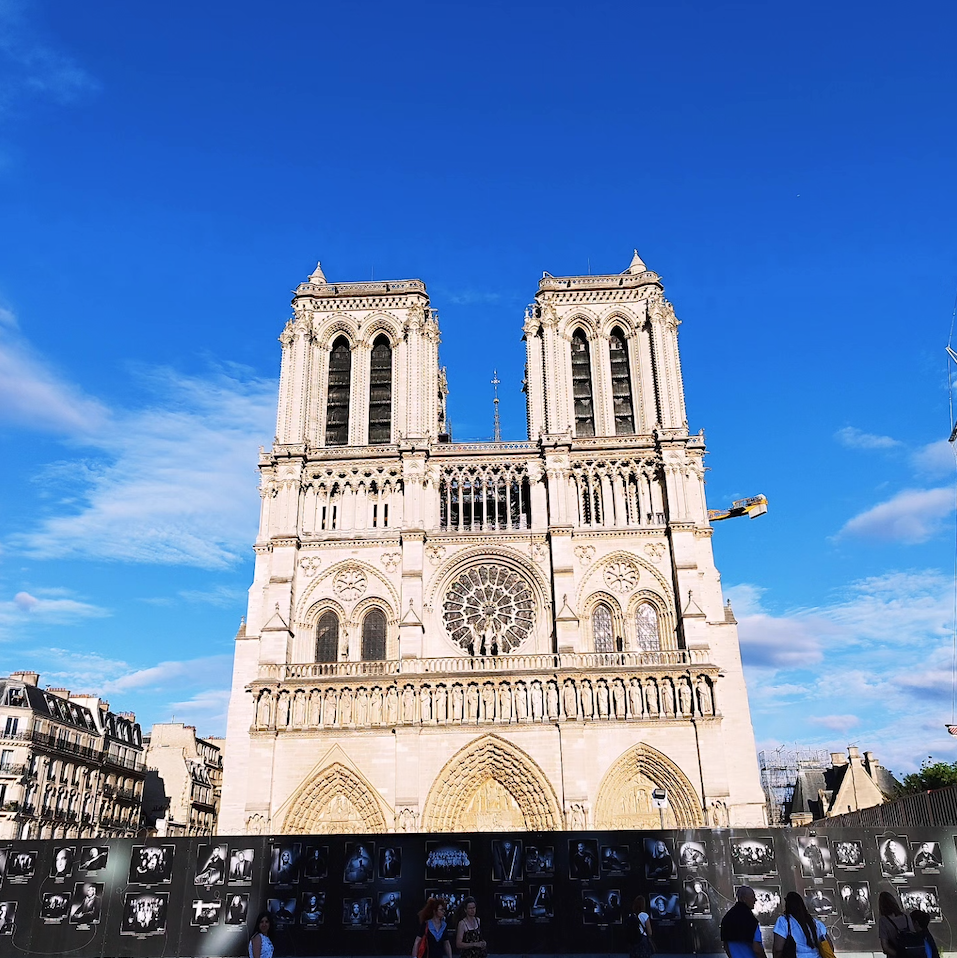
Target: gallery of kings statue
482	636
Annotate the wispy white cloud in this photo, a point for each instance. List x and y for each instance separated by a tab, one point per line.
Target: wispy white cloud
160	676
220	596
837	723
855	438
935	459
210	705
910	517
58	609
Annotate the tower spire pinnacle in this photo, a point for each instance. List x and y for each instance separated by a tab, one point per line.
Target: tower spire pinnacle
318	277
636	265
498	425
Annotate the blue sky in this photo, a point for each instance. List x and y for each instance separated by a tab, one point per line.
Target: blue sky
168	176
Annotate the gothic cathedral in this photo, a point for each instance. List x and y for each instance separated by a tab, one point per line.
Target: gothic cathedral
478	636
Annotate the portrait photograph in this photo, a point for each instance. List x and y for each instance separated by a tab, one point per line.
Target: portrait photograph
144	913
849	855
8	917
692	855
922	899
856	908
63	859
696	900
768	904
821	902
926	857
357	913
315	864
815	856
453	897
3	863
540	861
151	865
94	858
241	865
507	907
582	859
388	912
54	907
390	863
894	856
601	907
753	857
21	866
448	861
210	865
237	908
659	860
284	863
205	912
541	902
664	906
615	861
282	911
87	903
312	909
359	868
507	860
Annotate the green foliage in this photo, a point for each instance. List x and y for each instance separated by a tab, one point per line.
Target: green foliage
930	775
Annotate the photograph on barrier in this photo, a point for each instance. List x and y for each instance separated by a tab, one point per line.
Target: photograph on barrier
821	902
601	907
210	865
3	864
856	909
696	899
237	909
659	860
582	859
93	858
922	899
926	857
615	861
63	858
357	913
390	863
282	911
448	860
206	912
894	855
312	909
21	866
692	855
453	897
507	860
241	861
8	916
541	902
664	907
284	863
540	861
754	857
87	904
144	913
507	907
849	855
359	868
54	907
768	903
815	856
152	864
388	914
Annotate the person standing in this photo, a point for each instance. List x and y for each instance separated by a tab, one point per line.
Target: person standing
638	924
469	939
435	931
893	922
740	931
797	923
921	922
260	944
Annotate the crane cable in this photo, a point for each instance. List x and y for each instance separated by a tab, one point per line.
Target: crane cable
953	426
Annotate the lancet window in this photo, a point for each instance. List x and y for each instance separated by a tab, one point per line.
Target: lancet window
601	628
648	630
621	384
581	385
380	391
484	499
327	638
373	636
337	399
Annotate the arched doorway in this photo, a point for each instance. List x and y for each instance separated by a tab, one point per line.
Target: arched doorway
336	801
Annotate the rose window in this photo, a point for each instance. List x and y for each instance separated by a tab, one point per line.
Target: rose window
621	576
489	610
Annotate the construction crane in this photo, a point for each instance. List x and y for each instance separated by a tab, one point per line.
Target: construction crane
753	507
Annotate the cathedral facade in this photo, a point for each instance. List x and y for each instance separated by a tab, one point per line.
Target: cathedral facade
459	636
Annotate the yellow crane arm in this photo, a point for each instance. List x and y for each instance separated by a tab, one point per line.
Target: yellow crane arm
753	507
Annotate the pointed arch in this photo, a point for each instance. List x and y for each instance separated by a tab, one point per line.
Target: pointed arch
491	767
624	410
338	393
335	800
583	393
380	391
624	796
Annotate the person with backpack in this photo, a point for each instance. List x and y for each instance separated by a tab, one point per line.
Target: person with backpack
899	938
921	922
638	926
796	933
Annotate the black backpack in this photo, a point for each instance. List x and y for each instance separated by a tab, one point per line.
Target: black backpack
908	944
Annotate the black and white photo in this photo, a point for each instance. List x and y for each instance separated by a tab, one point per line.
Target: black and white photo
54	907
768	903
206	912
390	863
541	902
284	863
601	907
453	897
856	908
312	909
615	861
697	902
144	913
923	899
540	861
359	868
664	906
692	855
8	916
894	856
582	859
659	860
507	907
87	904
241	865
237	908
753	857
815	856
507	860
926	857
152	865
357	913
849	855
448	860
315	863
210	865
388	913
21	866
63	859
282	911
94	858
821	902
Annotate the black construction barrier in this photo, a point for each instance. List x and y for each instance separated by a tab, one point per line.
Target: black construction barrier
550	892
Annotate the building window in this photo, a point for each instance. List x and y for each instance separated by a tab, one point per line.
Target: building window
10	727
380	392
327	638
6	758
337	400
649	637
581	386
601	627
621	384
373	636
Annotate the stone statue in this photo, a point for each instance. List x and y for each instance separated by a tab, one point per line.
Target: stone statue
362	707
521	702
457	703
375	708
425	704
282	711
602	699
299	709
551	696
471	703
315	708
684	697
345	707
440	704
705	699
265	701
634	698
667	698
391	706
570	700
618	695
577	818
588	700
488	702
505	702
538	707
408	704
651	698
329	708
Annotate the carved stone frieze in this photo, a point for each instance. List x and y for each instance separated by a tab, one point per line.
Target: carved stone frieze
391	560
585	554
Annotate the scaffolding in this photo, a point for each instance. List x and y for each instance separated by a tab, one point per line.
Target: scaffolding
779	772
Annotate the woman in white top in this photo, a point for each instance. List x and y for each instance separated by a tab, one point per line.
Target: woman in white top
797	922
638	923
260	945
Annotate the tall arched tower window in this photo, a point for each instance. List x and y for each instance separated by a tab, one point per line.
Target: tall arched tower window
581	385
380	391
601	628
373	636
327	638
337	400
649	634
621	384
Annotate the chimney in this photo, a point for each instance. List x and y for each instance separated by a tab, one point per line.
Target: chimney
871	759
27	678
838	759
854	754
62	693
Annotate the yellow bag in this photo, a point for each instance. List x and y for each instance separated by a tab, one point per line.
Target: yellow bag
825	949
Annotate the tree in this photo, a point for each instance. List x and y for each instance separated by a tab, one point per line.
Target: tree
930	775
